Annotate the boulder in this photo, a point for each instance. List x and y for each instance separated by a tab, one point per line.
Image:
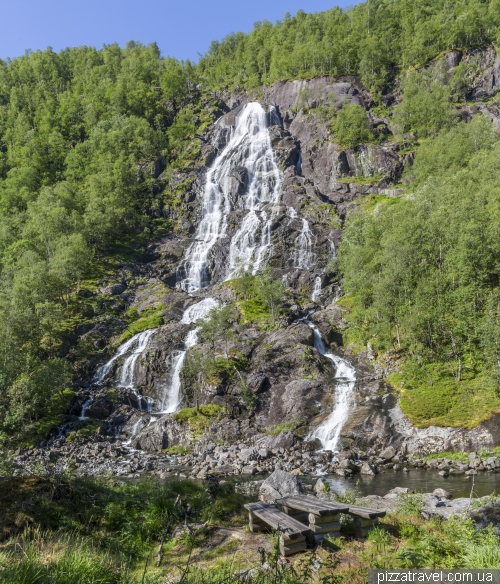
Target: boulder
113	290
492	462
388	453
246	455
321	486
264	453
279	484
441	493
368	469
400	491
163	433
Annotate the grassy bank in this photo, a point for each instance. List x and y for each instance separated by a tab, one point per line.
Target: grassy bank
68	530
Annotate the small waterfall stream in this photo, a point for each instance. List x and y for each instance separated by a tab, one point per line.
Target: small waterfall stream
316	295
172	393
328	432
303	255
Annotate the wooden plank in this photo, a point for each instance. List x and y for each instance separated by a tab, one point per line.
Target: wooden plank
363	526
365	513
256	524
278	520
316	519
313	505
361	522
289	549
326	528
301	516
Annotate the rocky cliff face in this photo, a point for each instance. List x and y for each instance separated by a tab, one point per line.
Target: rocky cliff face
293	383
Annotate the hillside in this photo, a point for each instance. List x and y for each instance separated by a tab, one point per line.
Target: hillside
286	250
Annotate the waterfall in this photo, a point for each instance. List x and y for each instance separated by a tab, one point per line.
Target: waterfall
249	147
85	407
303	257
172	392
128	367
103	370
316	295
328	433
133	348
264	187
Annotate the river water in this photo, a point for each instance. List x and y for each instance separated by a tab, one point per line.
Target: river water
418	479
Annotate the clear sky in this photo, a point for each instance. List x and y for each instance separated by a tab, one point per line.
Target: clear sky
182	28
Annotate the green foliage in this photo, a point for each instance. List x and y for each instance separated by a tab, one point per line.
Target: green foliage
149	319
423	278
426	105
283	427
272	292
371	39
179	449
79	131
350	126
460	456
218	326
200	418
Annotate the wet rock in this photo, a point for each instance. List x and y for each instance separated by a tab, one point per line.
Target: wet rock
444	473
401	491
368	469
321	487
279	484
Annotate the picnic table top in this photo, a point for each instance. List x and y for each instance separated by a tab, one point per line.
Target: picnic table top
322	508
278	520
313	505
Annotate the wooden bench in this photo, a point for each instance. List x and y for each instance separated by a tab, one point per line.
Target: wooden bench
323	517
364	519
294	535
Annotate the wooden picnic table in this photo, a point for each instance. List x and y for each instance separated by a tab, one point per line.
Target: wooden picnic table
323	517
294	535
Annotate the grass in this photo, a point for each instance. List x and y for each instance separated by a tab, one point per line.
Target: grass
222	370
179	449
283	427
253	310
199	419
458	456
369	202
63	530
148	319
430	396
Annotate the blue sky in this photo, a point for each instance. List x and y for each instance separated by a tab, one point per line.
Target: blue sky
182	28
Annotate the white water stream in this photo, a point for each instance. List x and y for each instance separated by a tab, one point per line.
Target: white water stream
172	394
304	256
316	295
249	147
328	432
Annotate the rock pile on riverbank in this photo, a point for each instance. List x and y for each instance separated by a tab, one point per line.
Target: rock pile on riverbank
104	455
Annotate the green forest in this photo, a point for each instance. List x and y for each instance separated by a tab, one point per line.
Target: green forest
81	129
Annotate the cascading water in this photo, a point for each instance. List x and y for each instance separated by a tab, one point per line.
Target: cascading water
316	295
250	148
172	394
264	186
303	257
133	348
128	368
328	433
